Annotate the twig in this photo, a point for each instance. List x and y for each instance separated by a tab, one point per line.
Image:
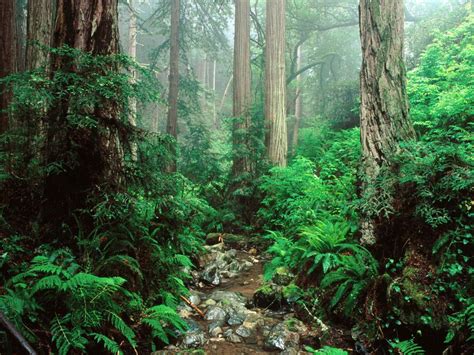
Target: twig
11	328
192	305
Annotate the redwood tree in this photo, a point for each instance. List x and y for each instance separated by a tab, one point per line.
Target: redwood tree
275	83
172	123
241	99
39	32
384	117
8	47
82	159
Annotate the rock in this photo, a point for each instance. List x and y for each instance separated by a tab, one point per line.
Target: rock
236	318
215	332
235	266
230	336
228	297
211	275
185	313
290	351
195	299
253	251
246	265
216	313
248	334
210	302
193	326
214	238
194	339
280	338
215	324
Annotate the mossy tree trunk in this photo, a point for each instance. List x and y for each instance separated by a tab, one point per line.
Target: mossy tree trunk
90	158
276	140
384	116
242	96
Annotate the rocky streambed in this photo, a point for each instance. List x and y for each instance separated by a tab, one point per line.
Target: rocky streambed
235	318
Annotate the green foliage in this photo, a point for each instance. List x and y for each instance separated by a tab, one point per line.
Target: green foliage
353	278
326	350
88	308
407	347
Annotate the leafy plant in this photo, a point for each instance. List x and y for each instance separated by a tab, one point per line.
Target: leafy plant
353	277
407	347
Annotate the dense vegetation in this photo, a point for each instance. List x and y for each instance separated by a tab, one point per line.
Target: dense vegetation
103	217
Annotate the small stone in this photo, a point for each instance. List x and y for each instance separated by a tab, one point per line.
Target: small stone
195	299
210	302
253	251
215	332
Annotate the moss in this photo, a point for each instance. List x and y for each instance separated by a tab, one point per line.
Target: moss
265	289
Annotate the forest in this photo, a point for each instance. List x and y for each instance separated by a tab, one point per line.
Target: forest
236	177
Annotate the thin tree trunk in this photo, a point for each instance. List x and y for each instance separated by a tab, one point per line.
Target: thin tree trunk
242	97
226	92
90	158
132	52
172	123
384	115
8	56
275	83
214	112
298	102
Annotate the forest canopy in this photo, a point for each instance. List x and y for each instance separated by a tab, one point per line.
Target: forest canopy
236	176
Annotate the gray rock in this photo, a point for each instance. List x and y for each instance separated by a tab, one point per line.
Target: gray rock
236	318
248	334
215	332
280	338
195	299
210	302
216	313
228	297
215	324
230	336
211	275
194	339
246	265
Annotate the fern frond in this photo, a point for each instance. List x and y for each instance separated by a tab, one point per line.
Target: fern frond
123	328
407	347
107	343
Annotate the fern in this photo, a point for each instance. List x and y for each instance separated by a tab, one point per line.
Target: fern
109	344
158	316
326	350
352	278
407	347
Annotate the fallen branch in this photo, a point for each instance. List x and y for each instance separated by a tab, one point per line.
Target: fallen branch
192	305
11	328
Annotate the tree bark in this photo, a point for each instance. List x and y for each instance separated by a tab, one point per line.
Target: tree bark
39	32
384	115
172	123
132	52
242	95
8	47
275	83
298	102
91	158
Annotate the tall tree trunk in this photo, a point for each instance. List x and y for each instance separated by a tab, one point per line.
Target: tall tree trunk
214	112
226	91
21	19
275	83
39	32
171	127
132	52
91	159
298	102
384	116
8	47
241	99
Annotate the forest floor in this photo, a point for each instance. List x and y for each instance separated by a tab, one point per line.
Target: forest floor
237	317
